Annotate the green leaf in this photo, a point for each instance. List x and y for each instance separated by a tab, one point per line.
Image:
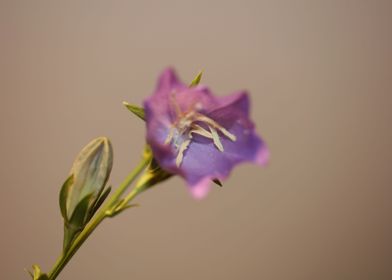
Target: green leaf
99	201
138	111
37	274
216	181
196	80
78	218
64	194
77	222
117	209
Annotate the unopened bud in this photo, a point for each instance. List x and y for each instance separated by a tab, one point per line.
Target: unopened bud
90	171
83	191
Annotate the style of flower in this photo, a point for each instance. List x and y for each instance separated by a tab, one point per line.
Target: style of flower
199	136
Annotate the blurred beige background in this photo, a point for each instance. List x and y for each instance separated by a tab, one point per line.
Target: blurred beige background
320	75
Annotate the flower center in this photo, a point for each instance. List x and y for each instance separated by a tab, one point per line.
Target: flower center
188	124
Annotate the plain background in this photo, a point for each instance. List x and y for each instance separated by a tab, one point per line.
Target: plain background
320	77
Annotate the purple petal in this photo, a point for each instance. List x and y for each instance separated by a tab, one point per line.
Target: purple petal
199	97
203	160
201	189
237	101
168	81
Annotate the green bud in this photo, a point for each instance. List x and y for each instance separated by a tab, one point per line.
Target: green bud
84	190
90	171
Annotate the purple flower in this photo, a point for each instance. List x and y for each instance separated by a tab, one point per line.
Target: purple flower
199	136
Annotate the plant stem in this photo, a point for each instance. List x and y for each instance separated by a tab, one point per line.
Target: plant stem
100	216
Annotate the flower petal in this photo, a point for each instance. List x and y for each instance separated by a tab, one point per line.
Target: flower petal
238	101
201	189
167	81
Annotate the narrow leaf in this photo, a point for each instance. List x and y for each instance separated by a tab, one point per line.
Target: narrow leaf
37	275
117	210
99	201
138	111
63	196
78	218
196	80
77	222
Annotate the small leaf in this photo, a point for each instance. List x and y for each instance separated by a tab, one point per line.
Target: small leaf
119	209
77	222
196	80
216	181
37	274
64	194
138	111
79	215
99	201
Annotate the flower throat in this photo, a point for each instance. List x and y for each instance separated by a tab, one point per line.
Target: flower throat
188	123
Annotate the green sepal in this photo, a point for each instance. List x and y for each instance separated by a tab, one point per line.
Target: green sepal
77	222
138	111
37	274
216	181
196	80
80	213
118	208
104	194
64	195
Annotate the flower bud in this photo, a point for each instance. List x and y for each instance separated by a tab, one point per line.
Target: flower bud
83	191
90	172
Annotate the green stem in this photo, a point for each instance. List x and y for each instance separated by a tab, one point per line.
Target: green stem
100	216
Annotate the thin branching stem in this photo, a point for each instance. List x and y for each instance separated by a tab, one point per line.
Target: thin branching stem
100	216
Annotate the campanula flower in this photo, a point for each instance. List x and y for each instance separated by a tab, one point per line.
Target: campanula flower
199	136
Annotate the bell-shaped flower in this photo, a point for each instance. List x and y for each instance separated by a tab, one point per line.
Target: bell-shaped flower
199	136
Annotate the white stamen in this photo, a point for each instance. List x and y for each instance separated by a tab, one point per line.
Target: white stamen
214	124
170	135
180	155
186	123
201	131
216	139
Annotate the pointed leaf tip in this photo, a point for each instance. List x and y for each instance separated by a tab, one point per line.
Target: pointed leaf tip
37	274
196	80
138	111
99	201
